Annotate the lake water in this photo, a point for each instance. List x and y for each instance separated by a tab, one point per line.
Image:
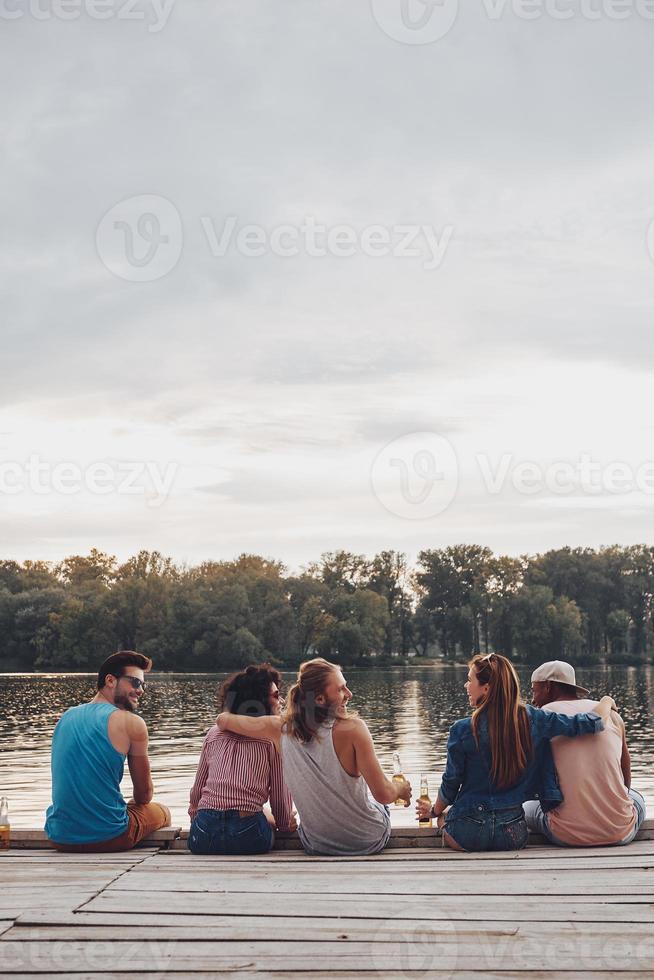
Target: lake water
407	709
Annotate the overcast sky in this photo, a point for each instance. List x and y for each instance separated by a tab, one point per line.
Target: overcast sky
175	380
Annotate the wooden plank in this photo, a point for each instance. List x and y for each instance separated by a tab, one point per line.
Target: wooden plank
36	839
330	912
67	882
535	973
248	928
380	906
28	855
35	887
408	836
557	862
583	883
435	853
415	954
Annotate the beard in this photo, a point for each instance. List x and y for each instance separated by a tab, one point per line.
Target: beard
123	701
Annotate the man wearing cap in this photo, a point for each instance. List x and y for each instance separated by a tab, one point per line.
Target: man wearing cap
599	807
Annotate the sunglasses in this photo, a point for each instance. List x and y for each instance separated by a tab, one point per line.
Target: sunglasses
136	682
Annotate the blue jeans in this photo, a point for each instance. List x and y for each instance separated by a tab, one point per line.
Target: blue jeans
225	832
539	822
482	829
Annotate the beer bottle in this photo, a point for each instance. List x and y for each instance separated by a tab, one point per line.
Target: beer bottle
4	824
398	776
424	798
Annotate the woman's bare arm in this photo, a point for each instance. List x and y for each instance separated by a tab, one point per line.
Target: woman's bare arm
384	790
266	726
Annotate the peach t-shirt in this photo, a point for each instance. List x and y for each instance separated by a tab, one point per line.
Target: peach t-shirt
596	807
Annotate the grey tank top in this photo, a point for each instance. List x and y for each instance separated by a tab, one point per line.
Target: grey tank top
338	815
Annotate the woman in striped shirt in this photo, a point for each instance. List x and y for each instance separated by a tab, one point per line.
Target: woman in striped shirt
237	775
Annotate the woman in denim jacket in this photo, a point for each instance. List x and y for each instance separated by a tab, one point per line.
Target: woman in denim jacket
494	758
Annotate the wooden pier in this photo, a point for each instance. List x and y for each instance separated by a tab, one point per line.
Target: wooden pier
416	911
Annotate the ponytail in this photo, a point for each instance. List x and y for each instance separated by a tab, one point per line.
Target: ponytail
302	716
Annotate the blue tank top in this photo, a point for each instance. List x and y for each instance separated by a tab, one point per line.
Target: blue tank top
87	805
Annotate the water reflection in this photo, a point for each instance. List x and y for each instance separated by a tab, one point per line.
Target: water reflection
408	710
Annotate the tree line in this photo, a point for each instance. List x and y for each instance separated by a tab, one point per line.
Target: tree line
580	604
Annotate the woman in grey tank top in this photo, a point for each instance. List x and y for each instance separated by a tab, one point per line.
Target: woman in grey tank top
330	766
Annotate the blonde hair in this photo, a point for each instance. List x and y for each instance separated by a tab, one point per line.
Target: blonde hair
302	716
509	729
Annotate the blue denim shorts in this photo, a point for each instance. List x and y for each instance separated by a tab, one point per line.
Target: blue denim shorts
226	832
482	829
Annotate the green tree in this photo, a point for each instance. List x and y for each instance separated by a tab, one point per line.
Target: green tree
618	623
388	575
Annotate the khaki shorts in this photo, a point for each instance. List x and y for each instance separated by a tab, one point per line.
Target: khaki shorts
143	820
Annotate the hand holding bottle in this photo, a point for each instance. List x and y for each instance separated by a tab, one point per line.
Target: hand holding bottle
403	791
4	824
403	797
423	810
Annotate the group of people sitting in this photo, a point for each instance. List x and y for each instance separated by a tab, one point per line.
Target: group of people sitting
559	766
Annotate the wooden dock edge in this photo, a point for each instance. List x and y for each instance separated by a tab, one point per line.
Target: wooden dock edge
174	838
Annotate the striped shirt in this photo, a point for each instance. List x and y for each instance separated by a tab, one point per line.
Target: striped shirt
238	773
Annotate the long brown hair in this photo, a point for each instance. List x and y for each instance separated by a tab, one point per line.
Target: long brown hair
508	720
302	716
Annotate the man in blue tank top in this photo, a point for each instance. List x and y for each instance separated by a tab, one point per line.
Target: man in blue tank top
89	747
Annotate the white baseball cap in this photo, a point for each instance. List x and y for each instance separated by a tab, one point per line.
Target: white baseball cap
559	672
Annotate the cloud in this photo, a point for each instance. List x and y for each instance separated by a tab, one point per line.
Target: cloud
273	381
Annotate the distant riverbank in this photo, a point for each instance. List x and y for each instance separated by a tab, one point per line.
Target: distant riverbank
577	604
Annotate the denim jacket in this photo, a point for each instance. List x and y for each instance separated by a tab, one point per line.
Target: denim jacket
467	778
